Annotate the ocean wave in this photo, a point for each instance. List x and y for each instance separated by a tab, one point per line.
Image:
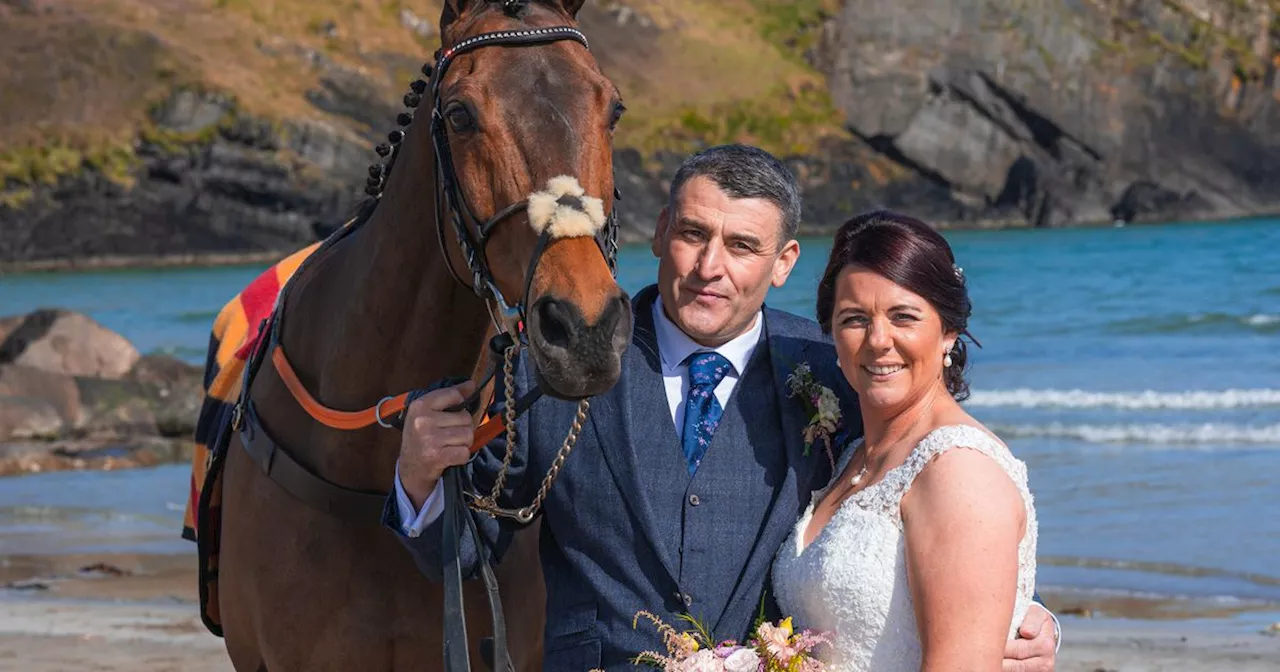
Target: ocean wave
1143	400
197	317
1203	434
1262	323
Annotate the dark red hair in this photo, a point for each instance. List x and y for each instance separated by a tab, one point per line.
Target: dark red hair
914	256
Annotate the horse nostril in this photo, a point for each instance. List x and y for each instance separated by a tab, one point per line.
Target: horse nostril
609	319
554	322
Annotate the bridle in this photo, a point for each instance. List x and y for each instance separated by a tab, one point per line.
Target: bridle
510	321
452	203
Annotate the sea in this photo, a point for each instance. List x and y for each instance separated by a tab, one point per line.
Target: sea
1136	371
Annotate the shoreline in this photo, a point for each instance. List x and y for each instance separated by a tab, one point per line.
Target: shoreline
23	457
113	262
220	259
139	612
26	457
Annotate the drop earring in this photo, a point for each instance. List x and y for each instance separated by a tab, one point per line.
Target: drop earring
946	359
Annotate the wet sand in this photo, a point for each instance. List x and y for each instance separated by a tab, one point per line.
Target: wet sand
44	636
139	613
1102	646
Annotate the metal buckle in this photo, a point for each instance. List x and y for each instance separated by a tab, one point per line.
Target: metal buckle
377	413
237	417
508	318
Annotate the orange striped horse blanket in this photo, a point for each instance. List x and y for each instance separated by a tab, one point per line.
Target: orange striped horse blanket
234	335
236	331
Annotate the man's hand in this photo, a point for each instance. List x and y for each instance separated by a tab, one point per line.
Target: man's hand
1035	648
434	439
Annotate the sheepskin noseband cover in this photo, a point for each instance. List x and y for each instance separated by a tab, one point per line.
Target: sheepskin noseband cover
564	210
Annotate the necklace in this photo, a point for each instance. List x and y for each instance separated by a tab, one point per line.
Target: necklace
866	449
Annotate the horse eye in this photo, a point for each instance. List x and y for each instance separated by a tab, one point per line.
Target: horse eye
459	118
618	110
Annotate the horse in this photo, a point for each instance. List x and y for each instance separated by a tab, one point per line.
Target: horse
383	306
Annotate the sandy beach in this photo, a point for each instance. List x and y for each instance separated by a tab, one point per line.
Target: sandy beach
138	613
104	612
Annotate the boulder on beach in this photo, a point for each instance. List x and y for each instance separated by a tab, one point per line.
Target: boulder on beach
61	341
25	418
69	387
8	324
22	386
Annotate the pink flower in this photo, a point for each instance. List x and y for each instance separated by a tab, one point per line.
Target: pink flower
811	665
806	641
777	641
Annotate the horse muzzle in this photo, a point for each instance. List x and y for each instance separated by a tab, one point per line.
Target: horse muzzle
574	359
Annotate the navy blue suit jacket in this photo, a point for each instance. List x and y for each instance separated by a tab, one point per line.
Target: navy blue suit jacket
618	534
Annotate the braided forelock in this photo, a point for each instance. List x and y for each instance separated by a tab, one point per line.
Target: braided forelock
514	8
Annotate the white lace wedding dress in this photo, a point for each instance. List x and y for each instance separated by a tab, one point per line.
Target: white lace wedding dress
852	579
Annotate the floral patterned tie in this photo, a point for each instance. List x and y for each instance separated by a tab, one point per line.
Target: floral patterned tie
701	409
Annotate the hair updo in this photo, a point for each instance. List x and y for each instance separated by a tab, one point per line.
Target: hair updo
912	255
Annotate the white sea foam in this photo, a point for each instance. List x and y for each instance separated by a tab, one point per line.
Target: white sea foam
1161	434
1148	399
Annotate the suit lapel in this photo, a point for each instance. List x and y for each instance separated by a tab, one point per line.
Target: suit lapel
785	353
639	397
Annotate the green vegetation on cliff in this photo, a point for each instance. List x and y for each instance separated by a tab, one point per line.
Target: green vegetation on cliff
1242	35
82	78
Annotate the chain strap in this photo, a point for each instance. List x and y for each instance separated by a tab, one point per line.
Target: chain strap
525	515
611	244
509	384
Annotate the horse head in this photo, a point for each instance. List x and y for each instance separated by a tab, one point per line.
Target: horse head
524	145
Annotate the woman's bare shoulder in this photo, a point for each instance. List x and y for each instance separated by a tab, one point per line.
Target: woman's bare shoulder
963	467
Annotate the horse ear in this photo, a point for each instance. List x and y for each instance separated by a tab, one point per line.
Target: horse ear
571	7
458	6
452	10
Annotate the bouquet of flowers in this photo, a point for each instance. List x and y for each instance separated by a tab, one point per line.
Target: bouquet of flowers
771	648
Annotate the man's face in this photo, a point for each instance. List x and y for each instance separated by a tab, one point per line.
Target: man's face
718	256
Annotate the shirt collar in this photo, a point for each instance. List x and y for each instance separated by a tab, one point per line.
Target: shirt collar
675	346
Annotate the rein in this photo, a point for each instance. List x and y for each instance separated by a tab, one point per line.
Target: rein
276	462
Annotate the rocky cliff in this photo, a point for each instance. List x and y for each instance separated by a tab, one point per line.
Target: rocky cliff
1058	112
233	185
133	132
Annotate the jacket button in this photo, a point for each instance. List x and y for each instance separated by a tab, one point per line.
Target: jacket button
687	599
694	501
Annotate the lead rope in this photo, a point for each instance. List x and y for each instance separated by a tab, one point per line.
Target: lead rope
524	515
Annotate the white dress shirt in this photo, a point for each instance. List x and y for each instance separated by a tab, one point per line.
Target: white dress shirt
674	346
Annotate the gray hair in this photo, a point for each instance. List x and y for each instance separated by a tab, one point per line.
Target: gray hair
746	172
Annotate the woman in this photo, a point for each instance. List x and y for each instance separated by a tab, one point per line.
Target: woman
918	555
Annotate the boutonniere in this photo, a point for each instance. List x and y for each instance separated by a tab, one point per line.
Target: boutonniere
822	405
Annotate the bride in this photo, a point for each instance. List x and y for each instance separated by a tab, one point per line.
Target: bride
920	554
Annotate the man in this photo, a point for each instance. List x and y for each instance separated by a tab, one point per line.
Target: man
688	474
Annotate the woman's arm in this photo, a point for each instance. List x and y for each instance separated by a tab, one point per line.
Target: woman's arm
963	519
